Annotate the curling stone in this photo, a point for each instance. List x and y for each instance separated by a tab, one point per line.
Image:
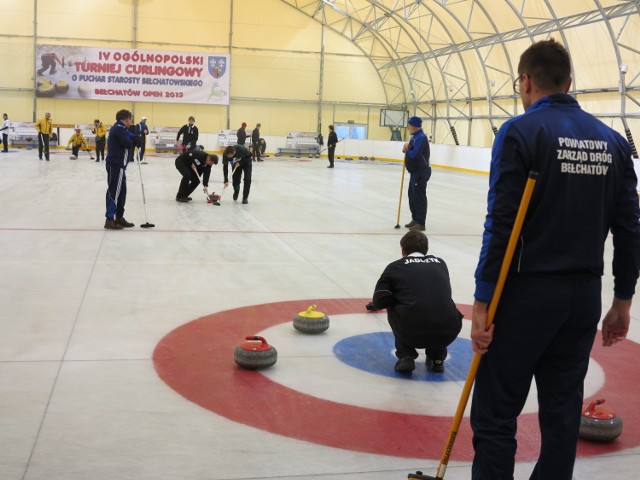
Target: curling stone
61	86
599	423
311	321
255	354
213	198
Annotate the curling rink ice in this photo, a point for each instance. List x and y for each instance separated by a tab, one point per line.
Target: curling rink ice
116	347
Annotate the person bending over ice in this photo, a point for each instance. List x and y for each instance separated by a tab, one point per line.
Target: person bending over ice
76	141
192	164
416	291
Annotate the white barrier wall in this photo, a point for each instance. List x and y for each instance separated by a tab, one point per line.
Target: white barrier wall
474	159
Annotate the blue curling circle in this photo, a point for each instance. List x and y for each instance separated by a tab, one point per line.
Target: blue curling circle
374	353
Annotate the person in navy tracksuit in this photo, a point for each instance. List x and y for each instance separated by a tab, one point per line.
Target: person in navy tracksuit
416	161
548	314
119	154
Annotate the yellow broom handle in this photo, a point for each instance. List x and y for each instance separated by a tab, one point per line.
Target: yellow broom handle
493	306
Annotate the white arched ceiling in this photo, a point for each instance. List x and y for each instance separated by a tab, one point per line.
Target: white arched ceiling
431	54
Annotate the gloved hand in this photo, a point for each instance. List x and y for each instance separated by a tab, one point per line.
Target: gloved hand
370	307
206	190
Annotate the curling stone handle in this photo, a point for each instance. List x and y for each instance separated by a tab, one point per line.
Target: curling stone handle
592	406
258	339
311	308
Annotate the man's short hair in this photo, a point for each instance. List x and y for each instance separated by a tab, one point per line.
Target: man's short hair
548	64
192	118
414	241
123	115
230	149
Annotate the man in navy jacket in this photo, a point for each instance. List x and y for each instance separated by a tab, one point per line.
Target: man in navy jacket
548	314
416	161
120	153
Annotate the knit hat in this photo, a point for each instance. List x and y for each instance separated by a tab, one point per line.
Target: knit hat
415	122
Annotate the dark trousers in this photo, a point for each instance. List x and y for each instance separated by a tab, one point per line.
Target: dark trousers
116	191
189	182
331	151
141	152
255	151
544	329
435	345
47	62
418	195
5	141
75	149
100	144
43	145
244	168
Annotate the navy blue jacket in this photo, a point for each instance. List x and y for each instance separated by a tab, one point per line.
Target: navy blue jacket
119	145
586	188
417	155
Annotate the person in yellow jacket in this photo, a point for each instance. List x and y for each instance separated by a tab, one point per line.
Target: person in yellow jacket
100	131
44	126
76	141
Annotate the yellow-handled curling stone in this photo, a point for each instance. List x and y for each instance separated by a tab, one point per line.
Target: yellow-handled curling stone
311	321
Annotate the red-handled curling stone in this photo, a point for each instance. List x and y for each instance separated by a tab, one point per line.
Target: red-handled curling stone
311	321
599	423
255	354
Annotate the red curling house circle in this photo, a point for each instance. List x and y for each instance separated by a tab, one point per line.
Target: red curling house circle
196	360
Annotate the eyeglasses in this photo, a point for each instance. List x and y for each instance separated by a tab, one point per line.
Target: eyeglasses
516	83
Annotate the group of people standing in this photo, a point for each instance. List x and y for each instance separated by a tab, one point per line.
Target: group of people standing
256	141
77	141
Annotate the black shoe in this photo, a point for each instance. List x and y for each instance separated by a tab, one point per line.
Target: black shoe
189	199
436	366
417	227
410	224
245	201
182	199
405	364
330	166
98	160
235	194
122	221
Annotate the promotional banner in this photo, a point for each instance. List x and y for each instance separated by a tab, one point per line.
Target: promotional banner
65	71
